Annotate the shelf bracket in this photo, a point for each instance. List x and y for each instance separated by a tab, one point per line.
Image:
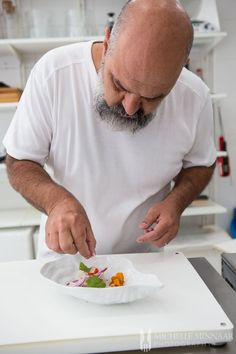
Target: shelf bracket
19	59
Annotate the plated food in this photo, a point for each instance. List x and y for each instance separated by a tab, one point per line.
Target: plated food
93	277
109	279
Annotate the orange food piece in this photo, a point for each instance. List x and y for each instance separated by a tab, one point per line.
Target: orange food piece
117	280
120	276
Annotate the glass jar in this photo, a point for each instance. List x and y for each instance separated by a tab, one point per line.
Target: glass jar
10	20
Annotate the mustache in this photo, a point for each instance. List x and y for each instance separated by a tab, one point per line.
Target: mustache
117	117
119	110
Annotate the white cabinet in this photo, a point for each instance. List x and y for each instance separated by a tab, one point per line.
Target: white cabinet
16	244
17	223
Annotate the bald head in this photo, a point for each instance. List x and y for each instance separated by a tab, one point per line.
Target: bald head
158	19
154	36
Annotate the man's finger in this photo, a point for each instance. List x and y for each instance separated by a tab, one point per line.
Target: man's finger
91	242
149	219
66	242
79	237
157	232
52	240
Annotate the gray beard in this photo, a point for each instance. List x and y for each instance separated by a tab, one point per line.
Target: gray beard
115	116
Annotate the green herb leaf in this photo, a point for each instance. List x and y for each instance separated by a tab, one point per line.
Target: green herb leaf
84	268
95	282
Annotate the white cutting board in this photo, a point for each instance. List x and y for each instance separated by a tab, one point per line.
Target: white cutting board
183	313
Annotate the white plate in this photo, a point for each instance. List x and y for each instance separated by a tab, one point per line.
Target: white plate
137	285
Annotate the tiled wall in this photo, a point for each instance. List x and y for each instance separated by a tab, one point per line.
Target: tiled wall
225	81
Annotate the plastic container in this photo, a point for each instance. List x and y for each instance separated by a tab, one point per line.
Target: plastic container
1	26
39	23
233	225
76	22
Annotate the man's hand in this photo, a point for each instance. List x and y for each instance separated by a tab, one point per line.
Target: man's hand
161	224
166	215
68	229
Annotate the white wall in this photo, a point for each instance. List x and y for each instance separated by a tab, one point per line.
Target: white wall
225	81
224	74
96	15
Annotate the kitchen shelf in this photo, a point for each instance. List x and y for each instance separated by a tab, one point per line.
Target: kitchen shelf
31	217
218	96
201	237
208	37
228	246
206	42
211	208
40	45
8	106
19	217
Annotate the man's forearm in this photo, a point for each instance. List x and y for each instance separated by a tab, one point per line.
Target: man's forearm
188	184
35	185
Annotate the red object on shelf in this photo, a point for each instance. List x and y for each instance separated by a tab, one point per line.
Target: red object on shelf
223	161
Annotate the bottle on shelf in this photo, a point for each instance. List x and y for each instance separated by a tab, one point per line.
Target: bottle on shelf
76	21
39	23
199	73
11	28
223	161
110	21
1	26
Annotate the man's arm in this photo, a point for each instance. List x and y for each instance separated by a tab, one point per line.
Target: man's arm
189	183
68	229
166	215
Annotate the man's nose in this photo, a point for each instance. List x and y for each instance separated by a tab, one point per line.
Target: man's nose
131	103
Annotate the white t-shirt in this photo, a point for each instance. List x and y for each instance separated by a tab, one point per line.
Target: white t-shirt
116	175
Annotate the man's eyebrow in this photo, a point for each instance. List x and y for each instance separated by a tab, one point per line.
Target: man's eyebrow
118	83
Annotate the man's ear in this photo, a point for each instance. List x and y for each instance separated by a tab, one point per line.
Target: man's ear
106	40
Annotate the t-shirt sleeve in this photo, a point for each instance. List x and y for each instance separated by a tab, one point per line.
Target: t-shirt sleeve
203	151
29	134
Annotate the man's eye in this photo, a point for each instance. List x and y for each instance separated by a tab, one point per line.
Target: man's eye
153	99
117	87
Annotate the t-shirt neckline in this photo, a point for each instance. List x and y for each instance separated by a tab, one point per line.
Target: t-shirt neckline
91	62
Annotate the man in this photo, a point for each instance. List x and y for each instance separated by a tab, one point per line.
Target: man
113	124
